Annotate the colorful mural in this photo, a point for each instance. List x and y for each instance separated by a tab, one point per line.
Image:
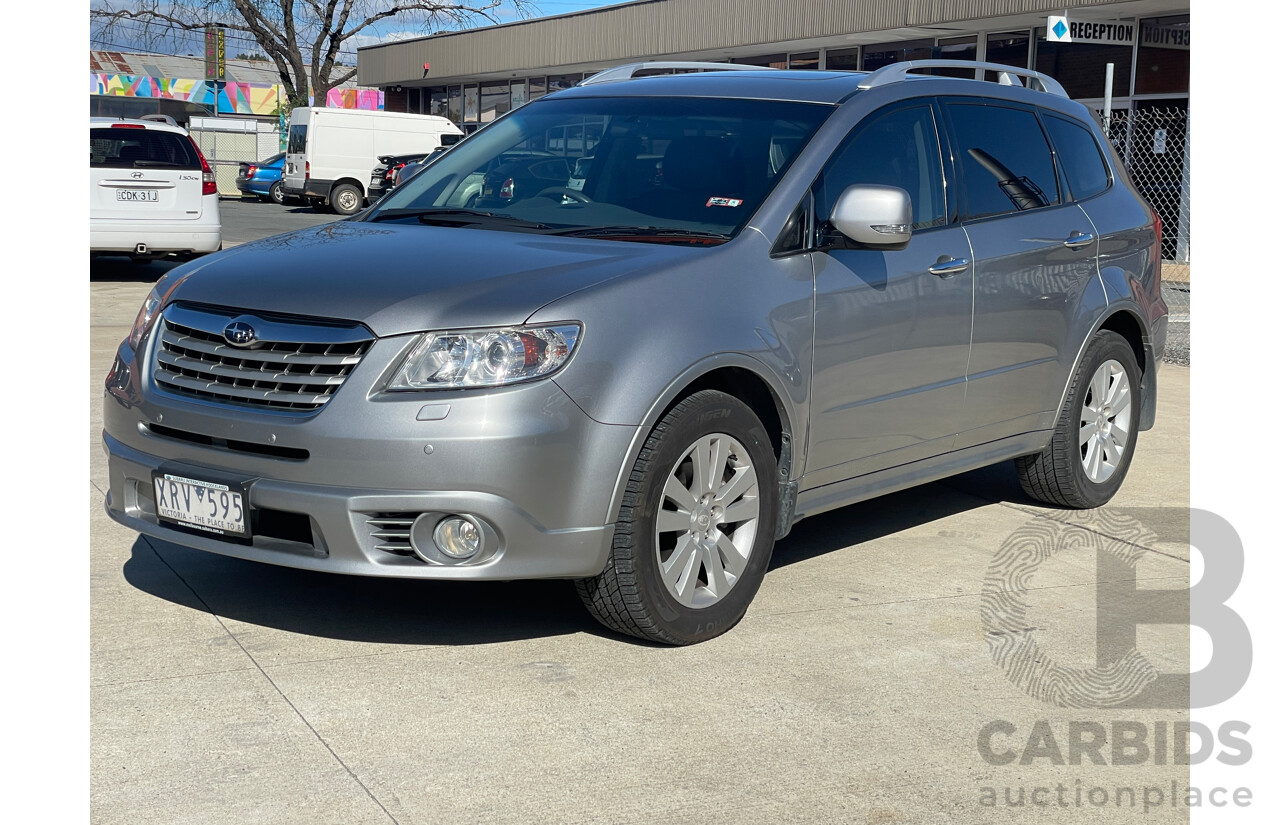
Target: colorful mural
237	98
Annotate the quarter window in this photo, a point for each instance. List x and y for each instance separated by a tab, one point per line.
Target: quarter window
1005	161
899	149
1080	157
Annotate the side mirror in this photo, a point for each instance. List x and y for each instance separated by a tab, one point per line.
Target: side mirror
873	215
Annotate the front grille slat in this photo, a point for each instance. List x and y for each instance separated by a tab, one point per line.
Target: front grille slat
234	373
392	532
192	358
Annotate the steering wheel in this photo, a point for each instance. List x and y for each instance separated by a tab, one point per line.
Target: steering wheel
565	192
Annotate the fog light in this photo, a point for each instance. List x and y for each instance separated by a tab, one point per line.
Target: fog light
458	537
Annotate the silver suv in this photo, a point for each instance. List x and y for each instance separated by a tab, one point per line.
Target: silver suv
767	295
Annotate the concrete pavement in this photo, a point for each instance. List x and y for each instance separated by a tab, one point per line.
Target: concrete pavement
855	690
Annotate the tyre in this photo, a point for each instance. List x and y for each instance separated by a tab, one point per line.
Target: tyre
1093	442
346	199
276	193
696	527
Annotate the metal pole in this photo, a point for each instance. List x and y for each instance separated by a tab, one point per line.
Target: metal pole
1106	101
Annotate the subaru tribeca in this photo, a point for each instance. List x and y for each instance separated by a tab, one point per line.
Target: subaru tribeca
772	294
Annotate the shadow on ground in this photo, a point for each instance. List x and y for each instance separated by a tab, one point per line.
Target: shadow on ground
416	612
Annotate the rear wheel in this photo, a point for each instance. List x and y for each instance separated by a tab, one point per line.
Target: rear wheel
346	199
696	528
276	193
1093	442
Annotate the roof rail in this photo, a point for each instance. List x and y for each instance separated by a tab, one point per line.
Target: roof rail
1005	75
159	119
628	71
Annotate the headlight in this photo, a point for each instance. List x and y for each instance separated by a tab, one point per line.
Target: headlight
151	307
146	317
485	357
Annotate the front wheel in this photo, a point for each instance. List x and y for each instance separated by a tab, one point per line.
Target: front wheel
696	528
1093	442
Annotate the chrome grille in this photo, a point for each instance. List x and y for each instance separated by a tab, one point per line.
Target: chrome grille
390	532
294	366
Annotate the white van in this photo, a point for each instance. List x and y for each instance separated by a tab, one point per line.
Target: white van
332	152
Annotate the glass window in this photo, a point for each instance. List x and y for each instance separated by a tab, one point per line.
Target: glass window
470	104
562	81
1164	55
537	87
882	54
298	138
519	94
803	60
1008	48
956	48
439	102
842	60
617	166
899	149
413	101
495	101
455	104
1081	68
142	149
1080	157
1005	161
773	61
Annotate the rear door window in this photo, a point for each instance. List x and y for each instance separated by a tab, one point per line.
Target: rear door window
297	139
125	148
1080	157
1004	158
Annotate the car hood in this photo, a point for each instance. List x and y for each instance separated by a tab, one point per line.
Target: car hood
396	279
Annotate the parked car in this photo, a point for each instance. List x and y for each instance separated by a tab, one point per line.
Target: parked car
152	194
840	285
263	180
394	169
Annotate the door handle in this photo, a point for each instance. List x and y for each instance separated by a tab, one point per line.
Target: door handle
1078	240
946	267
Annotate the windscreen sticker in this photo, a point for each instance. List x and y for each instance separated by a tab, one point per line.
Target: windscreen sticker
724	202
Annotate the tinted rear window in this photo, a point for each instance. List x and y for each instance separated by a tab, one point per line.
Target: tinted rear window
118	148
298	139
1080	156
1005	160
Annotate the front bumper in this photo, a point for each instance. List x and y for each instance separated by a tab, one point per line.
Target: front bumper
524	461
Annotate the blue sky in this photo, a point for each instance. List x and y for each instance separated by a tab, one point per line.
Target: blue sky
393	29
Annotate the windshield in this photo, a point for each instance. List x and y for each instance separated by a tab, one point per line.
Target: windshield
627	168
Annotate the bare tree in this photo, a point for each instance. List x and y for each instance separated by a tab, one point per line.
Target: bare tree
302	37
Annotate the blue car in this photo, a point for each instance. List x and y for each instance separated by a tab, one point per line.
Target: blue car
263	179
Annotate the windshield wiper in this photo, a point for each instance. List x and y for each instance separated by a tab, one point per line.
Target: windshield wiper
454	217
623	232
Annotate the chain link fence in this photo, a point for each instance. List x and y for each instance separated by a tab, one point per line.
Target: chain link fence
1155	145
227	142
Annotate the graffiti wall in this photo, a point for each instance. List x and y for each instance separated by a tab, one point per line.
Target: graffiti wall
237	98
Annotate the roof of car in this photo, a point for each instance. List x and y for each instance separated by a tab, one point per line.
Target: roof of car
766	84
829	87
107	122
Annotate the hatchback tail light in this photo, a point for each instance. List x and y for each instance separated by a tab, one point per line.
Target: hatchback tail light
210	183
508	190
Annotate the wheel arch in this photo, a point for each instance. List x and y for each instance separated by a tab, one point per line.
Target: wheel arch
352	181
737	376
1124	319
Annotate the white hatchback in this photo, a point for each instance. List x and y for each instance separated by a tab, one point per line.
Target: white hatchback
151	192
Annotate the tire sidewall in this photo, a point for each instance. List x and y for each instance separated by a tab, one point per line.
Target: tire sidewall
713	413
276	193
1107	346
